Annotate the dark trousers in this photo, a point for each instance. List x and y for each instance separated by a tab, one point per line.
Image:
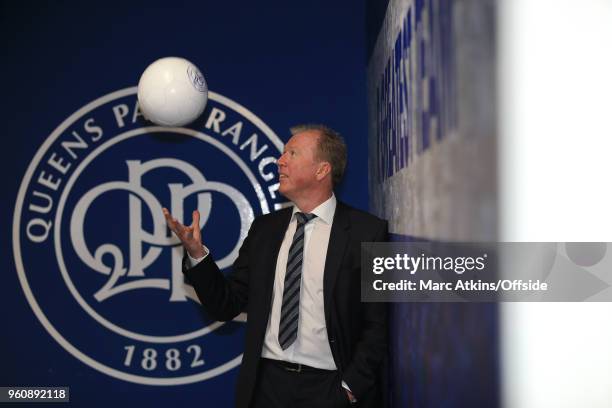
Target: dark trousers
280	387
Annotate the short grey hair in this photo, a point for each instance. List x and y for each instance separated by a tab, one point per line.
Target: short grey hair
331	148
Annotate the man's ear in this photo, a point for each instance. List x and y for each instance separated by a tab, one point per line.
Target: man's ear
323	170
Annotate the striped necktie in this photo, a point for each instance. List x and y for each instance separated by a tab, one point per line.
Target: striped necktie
290	310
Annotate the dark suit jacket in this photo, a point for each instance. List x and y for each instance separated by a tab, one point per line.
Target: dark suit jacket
356	330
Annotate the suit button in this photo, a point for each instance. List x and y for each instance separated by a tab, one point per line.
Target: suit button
332	340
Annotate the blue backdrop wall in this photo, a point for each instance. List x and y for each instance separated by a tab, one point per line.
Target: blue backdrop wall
91	297
433	176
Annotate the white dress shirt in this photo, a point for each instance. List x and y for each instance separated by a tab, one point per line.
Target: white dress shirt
311	346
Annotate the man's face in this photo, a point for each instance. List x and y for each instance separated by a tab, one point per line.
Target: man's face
297	166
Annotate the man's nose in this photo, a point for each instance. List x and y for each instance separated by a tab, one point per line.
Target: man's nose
281	161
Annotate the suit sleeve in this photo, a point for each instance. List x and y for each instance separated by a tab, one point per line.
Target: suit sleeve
371	348
222	297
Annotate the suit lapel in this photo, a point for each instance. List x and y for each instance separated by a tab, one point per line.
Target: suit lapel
338	242
277	232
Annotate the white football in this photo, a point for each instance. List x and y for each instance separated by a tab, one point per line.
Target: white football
172	92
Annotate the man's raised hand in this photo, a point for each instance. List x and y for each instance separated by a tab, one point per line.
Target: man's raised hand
190	236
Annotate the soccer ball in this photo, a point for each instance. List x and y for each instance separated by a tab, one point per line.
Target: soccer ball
172	92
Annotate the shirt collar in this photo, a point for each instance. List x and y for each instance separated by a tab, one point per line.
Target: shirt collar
325	211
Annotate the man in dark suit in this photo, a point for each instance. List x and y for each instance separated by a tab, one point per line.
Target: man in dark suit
310	341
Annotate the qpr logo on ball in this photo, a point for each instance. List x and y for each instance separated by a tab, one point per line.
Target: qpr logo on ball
94	256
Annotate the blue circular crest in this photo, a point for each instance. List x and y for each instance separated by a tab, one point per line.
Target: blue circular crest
94	256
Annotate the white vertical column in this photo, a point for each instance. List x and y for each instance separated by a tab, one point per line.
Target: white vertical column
555	152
